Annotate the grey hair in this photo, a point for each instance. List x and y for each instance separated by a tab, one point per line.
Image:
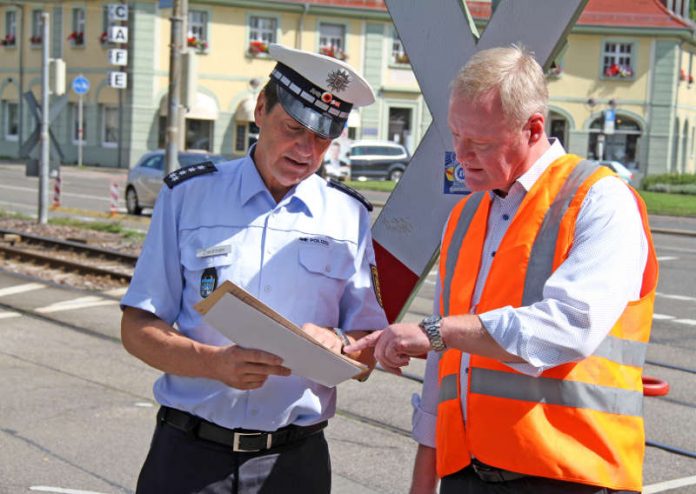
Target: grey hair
514	72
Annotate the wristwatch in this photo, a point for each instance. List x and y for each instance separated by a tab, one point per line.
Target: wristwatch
342	336
431	327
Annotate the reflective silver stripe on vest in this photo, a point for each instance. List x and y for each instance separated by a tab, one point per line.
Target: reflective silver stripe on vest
556	392
624	352
448	388
454	250
541	259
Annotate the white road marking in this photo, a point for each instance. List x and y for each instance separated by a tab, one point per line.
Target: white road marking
669	485
676	297
77	303
104	198
663	317
60	490
14	290
9	314
690	322
116	292
667	258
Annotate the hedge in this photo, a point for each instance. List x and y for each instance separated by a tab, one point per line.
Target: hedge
671	183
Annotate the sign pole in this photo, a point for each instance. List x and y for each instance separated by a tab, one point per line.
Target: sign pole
80	131
45	144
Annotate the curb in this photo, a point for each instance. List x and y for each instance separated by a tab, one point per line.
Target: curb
669	231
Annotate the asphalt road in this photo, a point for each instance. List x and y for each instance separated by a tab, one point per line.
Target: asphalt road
76	412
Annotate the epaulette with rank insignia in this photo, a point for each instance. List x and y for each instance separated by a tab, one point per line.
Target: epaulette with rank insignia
183	174
351	192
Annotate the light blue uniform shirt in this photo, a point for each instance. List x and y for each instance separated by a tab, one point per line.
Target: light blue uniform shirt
308	257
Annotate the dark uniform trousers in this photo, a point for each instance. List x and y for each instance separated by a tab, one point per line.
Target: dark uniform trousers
467	481
179	462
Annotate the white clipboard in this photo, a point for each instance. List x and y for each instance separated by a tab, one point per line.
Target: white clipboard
250	323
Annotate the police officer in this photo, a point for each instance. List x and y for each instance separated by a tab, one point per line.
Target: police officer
234	419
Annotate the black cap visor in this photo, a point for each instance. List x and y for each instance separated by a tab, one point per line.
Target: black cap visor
318	122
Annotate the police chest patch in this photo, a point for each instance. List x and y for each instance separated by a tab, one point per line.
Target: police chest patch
375	284
209	281
183	174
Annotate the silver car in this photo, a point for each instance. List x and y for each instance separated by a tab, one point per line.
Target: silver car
145	178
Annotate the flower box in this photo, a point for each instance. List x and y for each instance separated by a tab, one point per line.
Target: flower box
35	40
257	47
77	39
198	44
8	40
103	37
401	58
616	71
330	51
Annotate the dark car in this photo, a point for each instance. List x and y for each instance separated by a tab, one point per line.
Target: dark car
378	160
145	178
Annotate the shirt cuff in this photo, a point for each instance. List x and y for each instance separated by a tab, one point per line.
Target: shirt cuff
423	423
505	329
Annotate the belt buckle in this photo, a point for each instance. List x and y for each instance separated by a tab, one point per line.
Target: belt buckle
237	436
486	473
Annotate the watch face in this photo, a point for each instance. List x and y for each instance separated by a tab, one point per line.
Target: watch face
431	319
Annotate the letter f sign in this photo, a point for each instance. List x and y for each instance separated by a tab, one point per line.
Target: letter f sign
439	40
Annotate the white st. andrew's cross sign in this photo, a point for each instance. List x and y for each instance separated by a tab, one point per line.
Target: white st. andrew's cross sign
438	39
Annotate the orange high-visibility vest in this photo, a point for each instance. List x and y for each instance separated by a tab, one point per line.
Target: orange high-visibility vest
578	422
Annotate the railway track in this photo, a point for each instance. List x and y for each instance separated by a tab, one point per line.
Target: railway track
67	255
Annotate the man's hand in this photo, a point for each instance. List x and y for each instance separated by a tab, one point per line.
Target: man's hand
325	336
243	368
395	345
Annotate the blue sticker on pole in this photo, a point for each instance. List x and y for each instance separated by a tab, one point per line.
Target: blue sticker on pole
455	182
80	85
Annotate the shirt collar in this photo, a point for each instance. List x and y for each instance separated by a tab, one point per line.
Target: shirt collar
529	178
306	192
251	183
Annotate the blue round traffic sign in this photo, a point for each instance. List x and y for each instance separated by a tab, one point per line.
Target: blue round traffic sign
80	85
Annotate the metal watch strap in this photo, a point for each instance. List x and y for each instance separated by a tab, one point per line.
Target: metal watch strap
431	327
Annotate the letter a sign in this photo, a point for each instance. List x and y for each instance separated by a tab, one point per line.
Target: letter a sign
439	40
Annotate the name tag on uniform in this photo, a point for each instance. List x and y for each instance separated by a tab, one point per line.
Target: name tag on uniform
316	241
214	251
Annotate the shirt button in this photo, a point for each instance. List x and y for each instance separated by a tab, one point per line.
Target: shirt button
267	288
506	217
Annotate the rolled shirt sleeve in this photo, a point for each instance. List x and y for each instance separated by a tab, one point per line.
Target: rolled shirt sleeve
157	283
586	295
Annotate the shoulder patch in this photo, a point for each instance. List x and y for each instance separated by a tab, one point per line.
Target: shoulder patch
332	182
183	174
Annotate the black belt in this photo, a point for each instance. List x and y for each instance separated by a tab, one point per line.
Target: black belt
240	440
488	473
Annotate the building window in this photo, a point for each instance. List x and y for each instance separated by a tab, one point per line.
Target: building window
247	135
332	40
11	123
617	60
199	134
77	36
109	126
262	32
76	125
10	38
398	53
198	30
36	27
104	36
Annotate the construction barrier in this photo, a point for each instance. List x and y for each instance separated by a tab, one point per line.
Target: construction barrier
113	211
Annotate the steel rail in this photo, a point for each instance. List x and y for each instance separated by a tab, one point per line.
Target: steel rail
64	263
75	246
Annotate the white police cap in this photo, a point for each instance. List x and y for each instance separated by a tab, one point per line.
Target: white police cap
318	91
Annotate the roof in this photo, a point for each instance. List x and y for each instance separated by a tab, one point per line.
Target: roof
611	13
602	13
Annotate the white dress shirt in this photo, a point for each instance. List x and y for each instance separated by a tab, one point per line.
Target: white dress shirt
582	299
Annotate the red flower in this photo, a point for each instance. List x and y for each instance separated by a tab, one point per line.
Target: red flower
682	75
257	46
103	37
691	79
9	40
